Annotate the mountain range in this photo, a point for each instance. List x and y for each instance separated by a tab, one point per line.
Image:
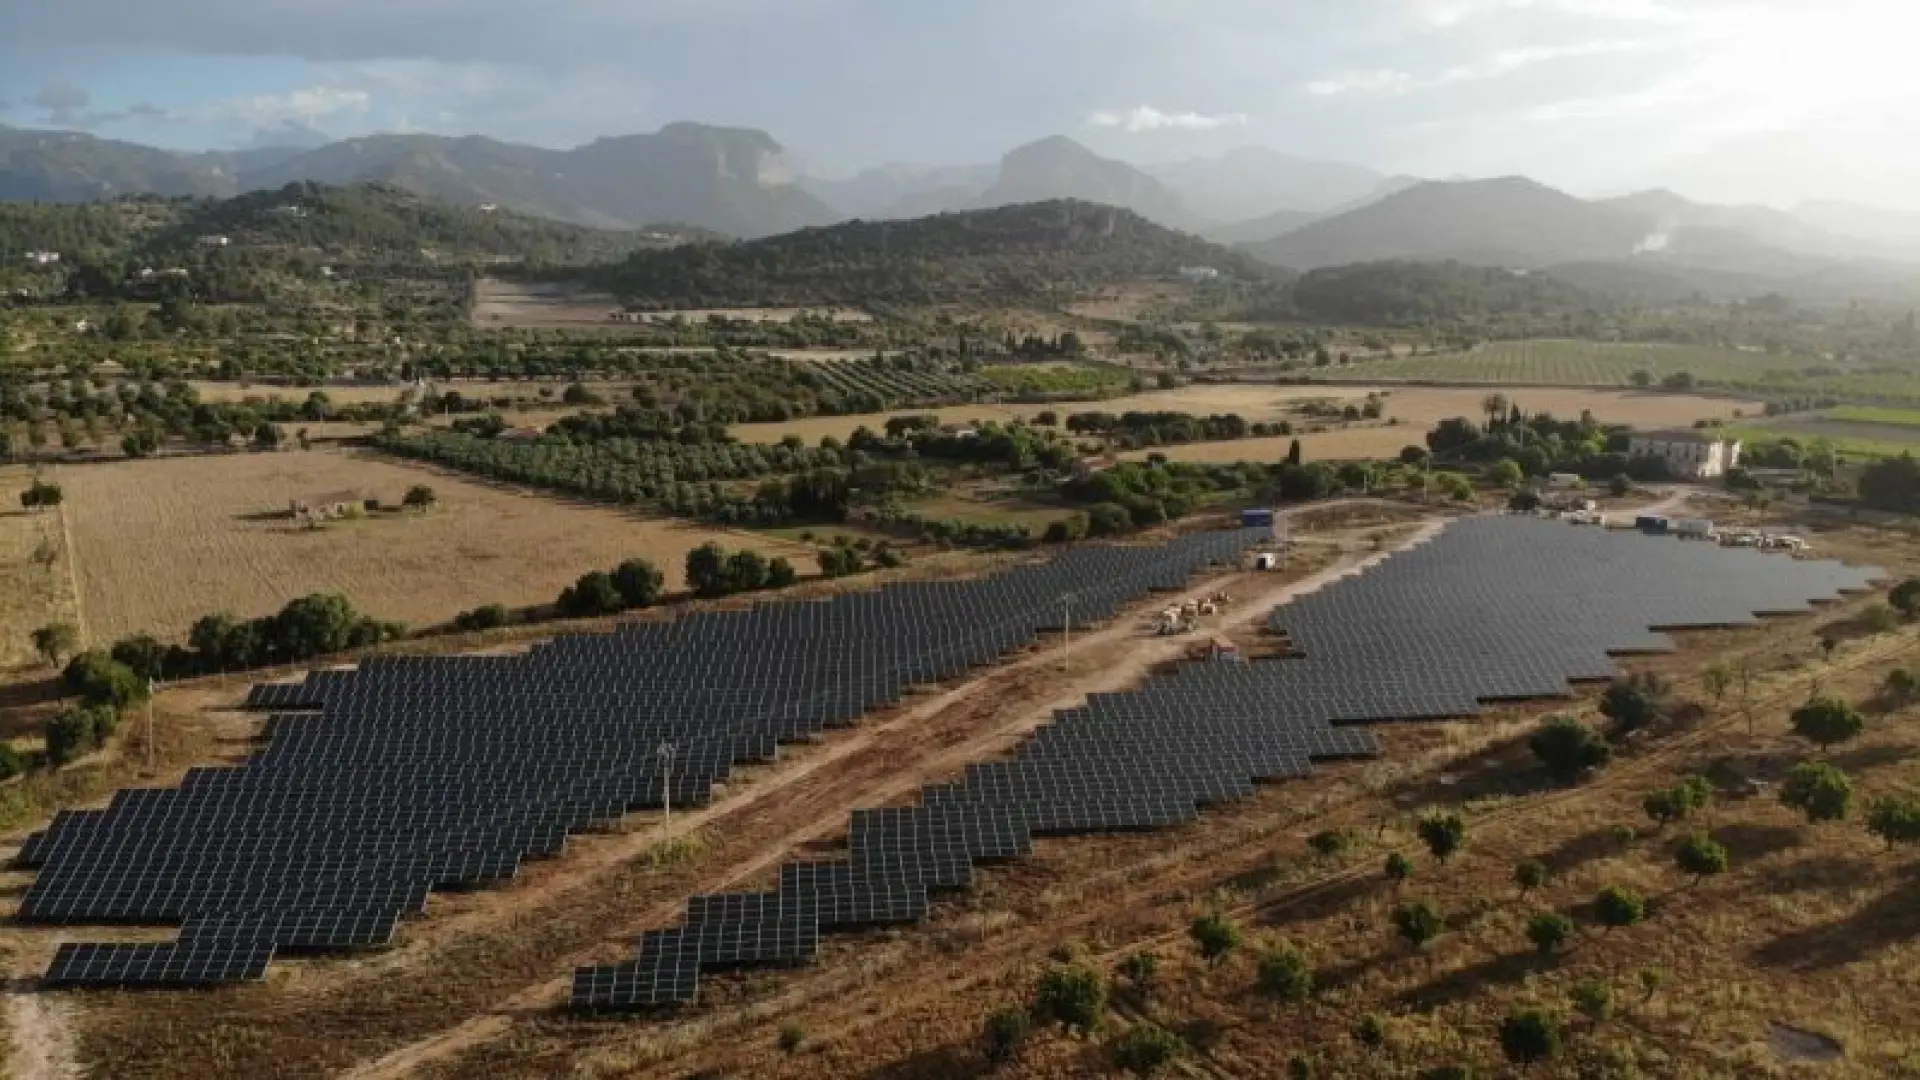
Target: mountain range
1286	211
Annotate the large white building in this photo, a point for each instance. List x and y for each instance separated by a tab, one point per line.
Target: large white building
1690	455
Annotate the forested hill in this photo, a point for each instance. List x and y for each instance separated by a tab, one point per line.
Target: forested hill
1397	293
1015	254
347	224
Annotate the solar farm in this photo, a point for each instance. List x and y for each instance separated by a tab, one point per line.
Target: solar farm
380	784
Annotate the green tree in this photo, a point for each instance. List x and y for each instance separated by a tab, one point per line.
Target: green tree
142	655
1293	452
1617	906
1215	936
41	494
1895	819
1505	473
1003	1033
1530	1035
1284	974
55	640
1701	856
707	572
12	762
1635	702
1370	1031
747	571
1549	931
639	583
1593	999
1328	843
1529	874
268	436
1418	923
1145	1049
1819	791
1444	834
1901	688
1667	805
1072	996
1827	720
101	680
419	497
69	735
1568	748
780	573
1905	597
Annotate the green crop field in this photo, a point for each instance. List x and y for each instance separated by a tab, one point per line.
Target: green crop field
1866	414
1064	381
1593	363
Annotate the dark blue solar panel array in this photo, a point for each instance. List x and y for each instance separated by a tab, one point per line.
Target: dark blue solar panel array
419	773
1493	608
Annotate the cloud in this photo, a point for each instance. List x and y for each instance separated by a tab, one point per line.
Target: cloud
301	107
1497	65
62	102
1145	118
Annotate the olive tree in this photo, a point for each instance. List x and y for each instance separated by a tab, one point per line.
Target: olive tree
1827	720
1568	748
1819	791
1701	856
1215	936
1530	1035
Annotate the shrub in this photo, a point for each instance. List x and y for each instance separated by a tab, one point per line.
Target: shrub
1667	805
1592	999
639	583
1398	868
1879	619
1818	790
1283	973
594	594
419	497
101	680
1145	1049
1651	980
69	735
1444	834
1568	748
12	762
1905	597
1895	819
1370	1031
1003	1033
55	640
486	617
1529	874
1635	702
1530	1035
1902	686
141	654
1139	970
1549	931
791	1037
1072	996
1328	844
1701	856
1827	720
1215	936
1618	906
1418	923
780	573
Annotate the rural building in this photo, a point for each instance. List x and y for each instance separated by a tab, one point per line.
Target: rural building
1689	455
1197	274
1089	466
43	258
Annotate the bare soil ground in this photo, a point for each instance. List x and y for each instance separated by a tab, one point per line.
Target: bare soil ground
160	543
1416	408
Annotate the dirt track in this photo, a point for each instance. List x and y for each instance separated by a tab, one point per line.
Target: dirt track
878	764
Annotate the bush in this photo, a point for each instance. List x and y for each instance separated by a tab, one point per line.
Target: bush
1398	868
1530	1035
1145	1049
1139	970
1827	720
12	763
69	735
1072	996
55	640
1635	702
1701	856
486	617
1370	1031
1549	931
791	1037
1905	597
639	583
1444	834
839	561
1284	974
1618	906
1902	686
1593	999
1418	923
1328	843
1667	805
1003	1033
780	573
1818	790
1215	936
1568	748
1529	874
101	680
594	594
1108	519
1879	619
141	654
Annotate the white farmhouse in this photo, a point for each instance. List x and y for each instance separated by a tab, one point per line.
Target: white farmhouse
1690	455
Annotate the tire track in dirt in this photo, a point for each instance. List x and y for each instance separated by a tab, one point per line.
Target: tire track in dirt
890	774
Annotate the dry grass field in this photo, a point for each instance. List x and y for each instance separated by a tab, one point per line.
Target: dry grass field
36	576
1417	409
159	543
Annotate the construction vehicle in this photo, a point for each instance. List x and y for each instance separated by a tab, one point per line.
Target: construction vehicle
1216	650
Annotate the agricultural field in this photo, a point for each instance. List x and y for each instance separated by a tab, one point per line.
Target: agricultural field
1417	408
1064	381
501	304
159	543
36	575
1560	363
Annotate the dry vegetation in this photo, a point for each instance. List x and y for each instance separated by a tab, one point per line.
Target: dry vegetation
160	543
1813	933
36	576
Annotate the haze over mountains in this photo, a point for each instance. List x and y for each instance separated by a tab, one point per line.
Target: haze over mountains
1287	211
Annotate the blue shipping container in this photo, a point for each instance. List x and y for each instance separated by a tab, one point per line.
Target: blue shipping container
1256	519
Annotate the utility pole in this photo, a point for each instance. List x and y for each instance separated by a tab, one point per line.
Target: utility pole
1066	632
666	782
149	724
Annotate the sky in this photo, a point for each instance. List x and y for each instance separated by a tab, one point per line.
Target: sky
1772	101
